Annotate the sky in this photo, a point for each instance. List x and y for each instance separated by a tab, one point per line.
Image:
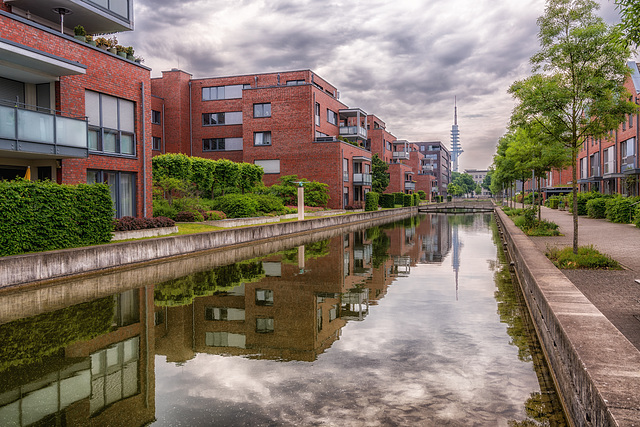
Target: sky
405	61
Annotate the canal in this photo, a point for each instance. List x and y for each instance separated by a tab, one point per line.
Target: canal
415	322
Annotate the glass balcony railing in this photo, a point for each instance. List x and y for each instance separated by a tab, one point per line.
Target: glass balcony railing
401	155
46	132
409	185
361	179
628	162
358	131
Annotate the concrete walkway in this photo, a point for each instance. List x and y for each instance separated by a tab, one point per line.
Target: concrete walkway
614	293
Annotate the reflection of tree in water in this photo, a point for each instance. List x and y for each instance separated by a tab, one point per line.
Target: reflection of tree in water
30	340
182	291
543	408
380	246
311	251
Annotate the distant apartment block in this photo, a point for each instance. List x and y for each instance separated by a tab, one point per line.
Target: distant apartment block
436	163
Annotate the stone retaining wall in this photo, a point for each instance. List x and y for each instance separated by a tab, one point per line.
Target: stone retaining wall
595	367
21	269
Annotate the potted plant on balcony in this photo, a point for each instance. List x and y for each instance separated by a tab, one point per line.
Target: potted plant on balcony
80	33
112	43
130	52
121	50
102	43
89	39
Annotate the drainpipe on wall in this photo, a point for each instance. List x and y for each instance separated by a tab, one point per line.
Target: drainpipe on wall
164	146
190	125
144	154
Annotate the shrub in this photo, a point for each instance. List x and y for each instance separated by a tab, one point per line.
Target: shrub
583	198
416	199
162	207
407	200
620	209
586	258
129	223
552	202
267	203
371	201
188	216
597	208
636	218
42	215
236	205
399	198
387	201
214	215
449	198
422	194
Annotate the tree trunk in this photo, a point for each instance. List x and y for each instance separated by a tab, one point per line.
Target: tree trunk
574	191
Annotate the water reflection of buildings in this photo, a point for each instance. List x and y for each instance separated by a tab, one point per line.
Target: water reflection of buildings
106	377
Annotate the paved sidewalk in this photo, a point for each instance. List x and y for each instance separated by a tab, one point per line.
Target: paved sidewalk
614	293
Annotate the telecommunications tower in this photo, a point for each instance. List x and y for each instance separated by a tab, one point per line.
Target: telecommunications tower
456	149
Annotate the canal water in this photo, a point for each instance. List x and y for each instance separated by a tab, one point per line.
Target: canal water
410	323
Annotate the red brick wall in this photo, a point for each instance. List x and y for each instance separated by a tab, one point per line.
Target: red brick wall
173	87
396	177
106	73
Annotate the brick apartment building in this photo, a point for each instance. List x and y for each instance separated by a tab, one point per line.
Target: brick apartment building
437	164
290	123
609	165
69	111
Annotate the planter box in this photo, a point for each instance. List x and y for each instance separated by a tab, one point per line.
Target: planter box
138	234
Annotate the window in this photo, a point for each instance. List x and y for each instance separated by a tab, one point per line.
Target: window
223	92
156	117
264	297
269	166
345	170
213	144
609	160
317	114
224	339
223	313
262	138
262	110
264	325
157	143
333	312
114	374
222	144
111	123
583	168
295	82
630	121
122	189
627	154
319	318
227	118
332	117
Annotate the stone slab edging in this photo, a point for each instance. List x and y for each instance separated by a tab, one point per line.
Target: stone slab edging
596	369
138	234
41	266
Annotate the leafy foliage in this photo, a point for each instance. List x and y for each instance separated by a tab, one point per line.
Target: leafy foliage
371	202
129	223
387	200
620	209
42	215
380	177
586	258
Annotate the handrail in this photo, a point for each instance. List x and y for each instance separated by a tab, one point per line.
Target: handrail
24	106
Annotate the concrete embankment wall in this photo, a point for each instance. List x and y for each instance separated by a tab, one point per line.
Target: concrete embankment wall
21	269
594	365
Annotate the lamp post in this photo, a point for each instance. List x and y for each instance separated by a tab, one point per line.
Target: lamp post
300	200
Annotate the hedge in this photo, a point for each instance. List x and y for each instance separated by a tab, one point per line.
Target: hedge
620	209
371	201
399	198
42	216
407	200
387	200
416	199
597	208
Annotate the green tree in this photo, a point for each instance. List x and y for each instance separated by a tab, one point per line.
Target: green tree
464	181
249	176
486	182
225	176
380	177
577	89
454	189
629	28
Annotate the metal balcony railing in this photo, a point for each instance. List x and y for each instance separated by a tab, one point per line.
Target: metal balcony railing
358	131
397	155
39	132
409	185
361	179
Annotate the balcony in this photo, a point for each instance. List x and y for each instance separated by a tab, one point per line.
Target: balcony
353	131
96	16
33	134
361	179
400	155
409	185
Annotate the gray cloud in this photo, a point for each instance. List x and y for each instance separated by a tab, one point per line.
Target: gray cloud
403	60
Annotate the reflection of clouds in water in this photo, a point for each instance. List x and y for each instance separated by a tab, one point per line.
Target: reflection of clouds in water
420	357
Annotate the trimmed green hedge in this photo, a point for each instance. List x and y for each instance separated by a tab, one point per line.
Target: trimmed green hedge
416	199
399	198
407	200
371	201
620	209
43	216
387	201
597	208
552	202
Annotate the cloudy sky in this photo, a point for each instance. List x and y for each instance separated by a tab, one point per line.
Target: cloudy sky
402	60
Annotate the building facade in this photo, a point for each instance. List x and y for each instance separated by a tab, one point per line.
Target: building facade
69	111
436	163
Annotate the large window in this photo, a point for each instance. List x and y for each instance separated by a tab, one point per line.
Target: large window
264	297
317	114
262	138
332	117
223	92
628	154
264	325
222	144
262	110
609	159
122	188
269	166
227	118
111	123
